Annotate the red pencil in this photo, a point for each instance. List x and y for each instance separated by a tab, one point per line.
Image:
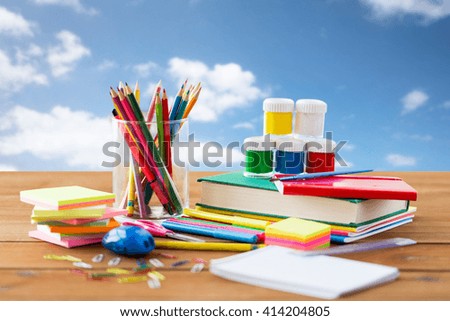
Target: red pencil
151	109
165	110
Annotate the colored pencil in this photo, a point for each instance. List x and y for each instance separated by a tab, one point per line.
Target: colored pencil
140	151
151	108
176	104
131	173
234	220
166	142
161	169
160	127
206	246
138	186
191	103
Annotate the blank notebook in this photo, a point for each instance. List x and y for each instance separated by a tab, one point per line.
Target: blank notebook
284	269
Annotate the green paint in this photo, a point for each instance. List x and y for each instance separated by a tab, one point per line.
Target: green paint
258	161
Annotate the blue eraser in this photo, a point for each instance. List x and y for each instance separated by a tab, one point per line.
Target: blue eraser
129	240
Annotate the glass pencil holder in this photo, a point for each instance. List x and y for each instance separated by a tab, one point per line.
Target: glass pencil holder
150	177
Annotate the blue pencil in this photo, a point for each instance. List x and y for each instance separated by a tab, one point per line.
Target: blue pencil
317	175
176	104
212	232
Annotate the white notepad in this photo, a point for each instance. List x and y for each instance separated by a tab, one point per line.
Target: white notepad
321	276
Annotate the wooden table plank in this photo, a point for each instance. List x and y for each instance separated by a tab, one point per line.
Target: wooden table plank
20	255
204	286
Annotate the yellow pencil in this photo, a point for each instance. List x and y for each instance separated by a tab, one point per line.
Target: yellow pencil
206	246
191	103
241	214
131	182
194	91
234	220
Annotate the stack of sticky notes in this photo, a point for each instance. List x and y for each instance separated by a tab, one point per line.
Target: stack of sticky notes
298	234
71	216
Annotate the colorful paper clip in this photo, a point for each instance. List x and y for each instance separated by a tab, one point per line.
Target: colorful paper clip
132	279
61	258
114	261
160	276
153	282
117	271
82	265
167	255
180	263
156	263
98	258
197	268
200	260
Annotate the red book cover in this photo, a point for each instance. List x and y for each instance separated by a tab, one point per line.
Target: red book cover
346	186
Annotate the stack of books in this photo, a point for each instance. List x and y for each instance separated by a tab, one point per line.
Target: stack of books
354	211
71	216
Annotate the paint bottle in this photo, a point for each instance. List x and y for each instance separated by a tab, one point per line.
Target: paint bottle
259	156
310	118
320	155
289	156
278	116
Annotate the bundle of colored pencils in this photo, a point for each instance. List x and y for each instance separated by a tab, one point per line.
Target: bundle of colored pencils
151	156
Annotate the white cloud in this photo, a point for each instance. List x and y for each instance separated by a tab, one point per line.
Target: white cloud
144	69
76	5
33	51
427	10
63	134
225	87
14	24
413	100
14	76
107	65
244	125
401	160
63	57
7	168
446	104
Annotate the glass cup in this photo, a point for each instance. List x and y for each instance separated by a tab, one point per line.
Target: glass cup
131	153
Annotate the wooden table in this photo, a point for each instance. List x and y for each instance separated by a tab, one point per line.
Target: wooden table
25	275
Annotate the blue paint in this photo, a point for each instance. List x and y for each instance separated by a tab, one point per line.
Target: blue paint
289	162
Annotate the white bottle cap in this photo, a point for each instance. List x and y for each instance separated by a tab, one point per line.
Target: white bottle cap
321	145
278	105
311	106
259	143
290	145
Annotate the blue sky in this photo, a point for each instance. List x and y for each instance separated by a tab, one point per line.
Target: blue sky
382	66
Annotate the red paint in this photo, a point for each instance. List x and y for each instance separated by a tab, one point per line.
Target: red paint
317	162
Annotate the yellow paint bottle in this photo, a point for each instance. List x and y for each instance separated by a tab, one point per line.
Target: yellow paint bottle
278	116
